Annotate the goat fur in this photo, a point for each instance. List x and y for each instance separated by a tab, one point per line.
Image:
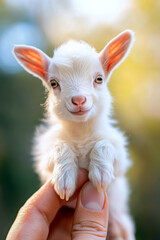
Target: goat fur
67	141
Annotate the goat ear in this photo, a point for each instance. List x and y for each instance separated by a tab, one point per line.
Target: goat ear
116	51
32	60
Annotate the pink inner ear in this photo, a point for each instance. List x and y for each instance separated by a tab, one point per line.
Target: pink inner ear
35	69
31	59
117	49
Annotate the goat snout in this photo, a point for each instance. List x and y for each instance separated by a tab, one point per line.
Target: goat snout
78	100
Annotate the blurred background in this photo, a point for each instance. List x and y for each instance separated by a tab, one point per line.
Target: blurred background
135	86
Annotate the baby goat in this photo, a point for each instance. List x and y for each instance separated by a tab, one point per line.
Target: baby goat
78	130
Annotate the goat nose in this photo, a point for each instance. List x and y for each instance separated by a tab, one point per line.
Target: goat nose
78	100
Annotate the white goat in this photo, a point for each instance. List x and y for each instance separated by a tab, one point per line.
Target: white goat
78	130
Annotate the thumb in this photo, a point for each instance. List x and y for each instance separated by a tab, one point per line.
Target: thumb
91	215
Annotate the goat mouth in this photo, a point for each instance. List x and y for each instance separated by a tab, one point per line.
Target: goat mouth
80	112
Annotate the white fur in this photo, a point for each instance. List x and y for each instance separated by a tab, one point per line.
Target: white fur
66	141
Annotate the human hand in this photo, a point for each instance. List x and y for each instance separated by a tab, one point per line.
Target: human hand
44	216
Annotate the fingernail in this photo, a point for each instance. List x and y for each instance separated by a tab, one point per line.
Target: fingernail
91	198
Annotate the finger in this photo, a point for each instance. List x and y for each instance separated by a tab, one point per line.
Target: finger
62	224
82	178
34	218
91	215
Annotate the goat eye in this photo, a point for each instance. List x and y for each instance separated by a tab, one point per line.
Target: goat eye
54	83
99	79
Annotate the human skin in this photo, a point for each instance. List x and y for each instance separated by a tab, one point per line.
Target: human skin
45	217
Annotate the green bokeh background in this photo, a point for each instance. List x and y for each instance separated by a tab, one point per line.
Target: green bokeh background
135	86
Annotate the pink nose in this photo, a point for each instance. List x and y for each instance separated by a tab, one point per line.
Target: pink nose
78	100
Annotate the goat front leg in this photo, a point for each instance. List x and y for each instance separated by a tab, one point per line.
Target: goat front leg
101	172
64	171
